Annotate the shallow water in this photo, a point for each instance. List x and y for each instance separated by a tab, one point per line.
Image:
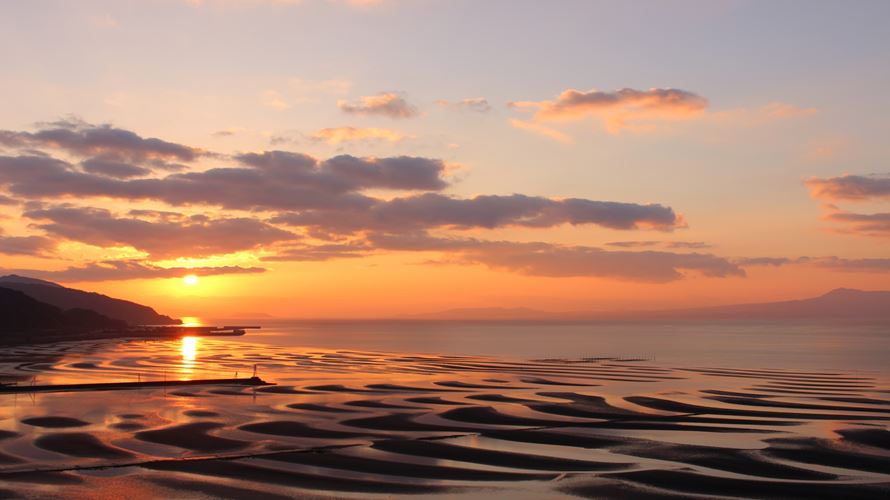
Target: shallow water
838	346
355	419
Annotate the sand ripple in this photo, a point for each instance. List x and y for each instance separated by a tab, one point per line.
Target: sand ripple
382	424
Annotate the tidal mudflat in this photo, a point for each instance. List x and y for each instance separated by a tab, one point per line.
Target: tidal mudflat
357	424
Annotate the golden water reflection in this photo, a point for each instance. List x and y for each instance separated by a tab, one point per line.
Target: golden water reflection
189	350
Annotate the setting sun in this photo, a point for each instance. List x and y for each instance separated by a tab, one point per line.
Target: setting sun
190	280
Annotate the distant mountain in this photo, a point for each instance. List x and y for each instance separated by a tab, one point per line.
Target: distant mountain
838	304
70	298
841	303
23	314
23	280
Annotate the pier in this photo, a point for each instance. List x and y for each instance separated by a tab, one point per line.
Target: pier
116	386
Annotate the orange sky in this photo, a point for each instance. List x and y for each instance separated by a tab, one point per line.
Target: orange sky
306	175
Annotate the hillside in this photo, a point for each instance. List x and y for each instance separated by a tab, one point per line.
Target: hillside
22	313
70	298
841	303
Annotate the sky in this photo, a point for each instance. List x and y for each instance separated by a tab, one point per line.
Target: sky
336	158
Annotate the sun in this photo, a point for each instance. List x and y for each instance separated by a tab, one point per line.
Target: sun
190	279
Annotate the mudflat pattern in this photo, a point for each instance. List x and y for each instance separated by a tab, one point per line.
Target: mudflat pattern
367	424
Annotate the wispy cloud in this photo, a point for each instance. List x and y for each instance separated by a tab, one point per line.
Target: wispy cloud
850	187
476	104
655	243
833	263
228	132
620	109
389	104
542	130
551	260
339	135
877	224
273	99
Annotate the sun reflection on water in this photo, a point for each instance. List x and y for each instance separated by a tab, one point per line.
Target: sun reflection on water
189	348
189	351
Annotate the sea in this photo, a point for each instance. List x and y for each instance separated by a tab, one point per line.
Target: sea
847	346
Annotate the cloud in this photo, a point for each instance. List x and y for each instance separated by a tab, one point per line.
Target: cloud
877	265
345	173
758	116
85	140
391	104
619	108
116	270
38	246
557	261
542	130
477	104
834	263
331	200
782	110
228	132
862	224
654	243
550	260
850	187
687	244
763	261
633	244
853	188
315	253
113	168
6	200
431	210
168	235
340	135
264	181
273	99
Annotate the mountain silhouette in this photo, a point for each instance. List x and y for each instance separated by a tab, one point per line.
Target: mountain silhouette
22	313
70	298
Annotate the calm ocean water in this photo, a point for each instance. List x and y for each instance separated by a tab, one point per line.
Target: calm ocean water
741	345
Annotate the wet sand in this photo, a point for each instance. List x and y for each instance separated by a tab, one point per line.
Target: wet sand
367	425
